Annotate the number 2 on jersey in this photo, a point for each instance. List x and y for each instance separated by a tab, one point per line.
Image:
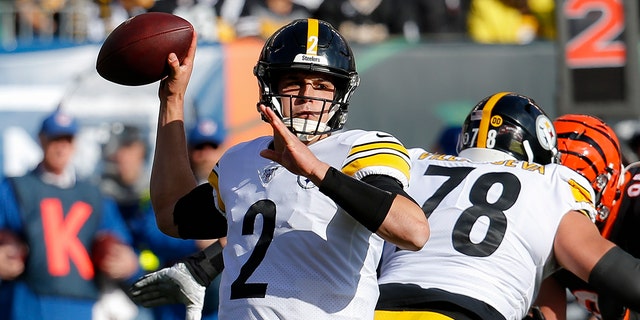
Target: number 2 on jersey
240	289
480	207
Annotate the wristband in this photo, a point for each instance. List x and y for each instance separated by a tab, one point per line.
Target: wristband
365	203
617	273
206	264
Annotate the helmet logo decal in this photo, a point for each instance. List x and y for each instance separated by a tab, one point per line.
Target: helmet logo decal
305	58
311	55
496	121
476	115
312	37
545	132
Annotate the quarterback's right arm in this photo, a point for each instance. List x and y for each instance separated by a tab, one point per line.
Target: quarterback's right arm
580	248
171	175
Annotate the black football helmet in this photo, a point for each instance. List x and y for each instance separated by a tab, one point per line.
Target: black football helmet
508	125
309	45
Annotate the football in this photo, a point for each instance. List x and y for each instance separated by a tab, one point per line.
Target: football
135	53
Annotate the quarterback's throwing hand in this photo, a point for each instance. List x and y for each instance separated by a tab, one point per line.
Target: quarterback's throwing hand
168	286
290	152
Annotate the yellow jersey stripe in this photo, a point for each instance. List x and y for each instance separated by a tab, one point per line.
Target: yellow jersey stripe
378	159
580	193
409	315
378	145
486	118
213	181
312	36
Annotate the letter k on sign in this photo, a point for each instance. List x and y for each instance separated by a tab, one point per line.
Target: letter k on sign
61	237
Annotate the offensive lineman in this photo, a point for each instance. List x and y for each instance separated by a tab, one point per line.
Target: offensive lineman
497	215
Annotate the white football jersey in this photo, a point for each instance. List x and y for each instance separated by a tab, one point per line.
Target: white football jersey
492	227
291	252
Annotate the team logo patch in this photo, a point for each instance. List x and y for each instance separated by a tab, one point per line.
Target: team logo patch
267	173
545	132
305	183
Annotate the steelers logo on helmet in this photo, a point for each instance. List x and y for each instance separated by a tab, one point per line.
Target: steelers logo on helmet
545	132
511	124
308	45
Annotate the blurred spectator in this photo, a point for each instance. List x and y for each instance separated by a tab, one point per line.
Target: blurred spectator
205	140
448	140
111	13
200	13
73	234
443	16
432	16
228	13
125	176
261	18
511	21
39	18
13	252
634	145
126	179
310	4
628	131
371	21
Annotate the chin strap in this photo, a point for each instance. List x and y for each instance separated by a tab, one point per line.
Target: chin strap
303	127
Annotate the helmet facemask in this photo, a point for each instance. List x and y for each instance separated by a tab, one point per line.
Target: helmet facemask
332	116
308	129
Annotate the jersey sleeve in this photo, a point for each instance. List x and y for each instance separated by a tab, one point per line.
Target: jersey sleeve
378	153
213	181
582	193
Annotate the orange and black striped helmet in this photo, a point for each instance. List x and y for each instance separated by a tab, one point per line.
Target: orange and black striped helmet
590	147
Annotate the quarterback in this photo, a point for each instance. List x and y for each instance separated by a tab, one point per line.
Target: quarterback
305	211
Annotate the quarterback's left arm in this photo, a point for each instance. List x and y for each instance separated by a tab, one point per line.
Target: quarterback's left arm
393	216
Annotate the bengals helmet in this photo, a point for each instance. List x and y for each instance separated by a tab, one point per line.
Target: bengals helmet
508	125
590	147
308	45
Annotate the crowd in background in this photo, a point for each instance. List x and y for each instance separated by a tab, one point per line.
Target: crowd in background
125	178
96	233
361	21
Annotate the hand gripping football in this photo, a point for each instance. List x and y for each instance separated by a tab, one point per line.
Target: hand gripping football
135	53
